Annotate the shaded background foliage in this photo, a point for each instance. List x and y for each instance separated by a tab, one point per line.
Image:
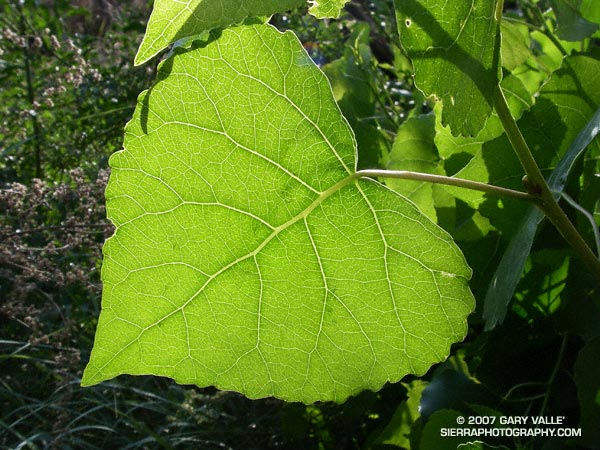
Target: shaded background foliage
67	88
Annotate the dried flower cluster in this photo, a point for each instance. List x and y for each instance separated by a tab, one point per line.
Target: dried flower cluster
14	38
50	249
50	245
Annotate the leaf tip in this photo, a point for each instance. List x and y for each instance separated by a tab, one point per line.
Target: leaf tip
141	57
88	379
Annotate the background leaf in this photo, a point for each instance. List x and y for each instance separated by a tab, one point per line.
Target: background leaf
478	445
171	21
457	151
326	8
351	82
248	255
590	9
414	150
516	44
587	377
455	51
565	105
511	265
432	438
398	431
571	26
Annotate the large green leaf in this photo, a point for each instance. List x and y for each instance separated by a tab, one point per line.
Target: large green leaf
171	21
455	49
248	254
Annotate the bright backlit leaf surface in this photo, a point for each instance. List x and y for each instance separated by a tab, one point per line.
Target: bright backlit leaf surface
171	21
248	254
455	50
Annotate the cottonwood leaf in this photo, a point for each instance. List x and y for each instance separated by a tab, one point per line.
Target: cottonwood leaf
349	78
571	26
248	254
432	438
587	379
455	50
590	10
398	431
171	21
322	9
516	44
414	150
461	148
507	275
326	8
564	106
